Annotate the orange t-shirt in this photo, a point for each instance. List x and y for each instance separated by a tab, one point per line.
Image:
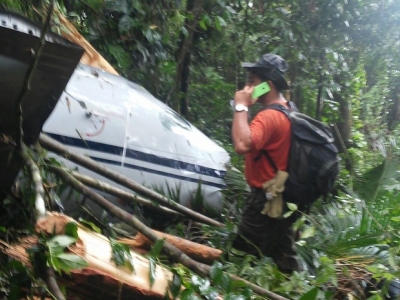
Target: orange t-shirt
270	131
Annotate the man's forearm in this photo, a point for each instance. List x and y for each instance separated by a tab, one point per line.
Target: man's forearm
241	134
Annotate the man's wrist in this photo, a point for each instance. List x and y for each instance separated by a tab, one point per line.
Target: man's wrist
241	107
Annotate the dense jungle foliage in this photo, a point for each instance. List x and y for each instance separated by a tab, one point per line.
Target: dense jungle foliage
344	70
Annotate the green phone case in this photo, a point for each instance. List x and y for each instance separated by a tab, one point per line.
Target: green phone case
260	90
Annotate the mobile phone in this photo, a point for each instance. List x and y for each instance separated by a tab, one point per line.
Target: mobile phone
260	90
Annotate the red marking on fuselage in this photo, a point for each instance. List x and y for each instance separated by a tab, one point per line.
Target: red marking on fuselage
103	124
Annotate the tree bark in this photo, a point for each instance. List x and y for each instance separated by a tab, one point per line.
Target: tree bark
394	113
199	252
344	129
345	117
183	57
320	103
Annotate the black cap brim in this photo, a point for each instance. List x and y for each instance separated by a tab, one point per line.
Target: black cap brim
248	65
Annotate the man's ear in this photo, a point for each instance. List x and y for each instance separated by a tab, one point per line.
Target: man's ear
271	84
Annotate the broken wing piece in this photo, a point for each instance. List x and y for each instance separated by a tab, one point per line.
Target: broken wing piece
19	39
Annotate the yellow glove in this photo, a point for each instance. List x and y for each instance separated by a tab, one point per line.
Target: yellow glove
274	188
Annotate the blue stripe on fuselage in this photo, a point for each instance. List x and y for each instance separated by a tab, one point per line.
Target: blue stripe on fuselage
150	158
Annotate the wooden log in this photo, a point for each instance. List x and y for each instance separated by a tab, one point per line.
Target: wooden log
198	252
91	57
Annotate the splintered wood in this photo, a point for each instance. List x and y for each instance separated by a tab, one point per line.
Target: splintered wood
91	57
101	279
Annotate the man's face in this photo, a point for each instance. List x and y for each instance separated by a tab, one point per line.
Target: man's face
253	79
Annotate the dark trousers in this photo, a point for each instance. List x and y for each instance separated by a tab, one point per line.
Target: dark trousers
261	235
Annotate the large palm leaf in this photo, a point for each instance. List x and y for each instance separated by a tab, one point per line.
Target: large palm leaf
361	231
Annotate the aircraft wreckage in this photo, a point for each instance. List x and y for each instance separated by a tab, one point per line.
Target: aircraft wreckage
114	122
104	116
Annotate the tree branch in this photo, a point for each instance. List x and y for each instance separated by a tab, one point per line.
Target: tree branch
102	186
90	164
173	252
38	183
52	284
26	86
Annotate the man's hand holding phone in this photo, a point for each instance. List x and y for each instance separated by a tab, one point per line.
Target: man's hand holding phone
244	96
250	94
260	90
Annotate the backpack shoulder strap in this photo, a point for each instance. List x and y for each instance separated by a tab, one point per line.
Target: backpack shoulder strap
265	153
279	107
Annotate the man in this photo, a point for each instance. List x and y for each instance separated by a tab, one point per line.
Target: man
269	131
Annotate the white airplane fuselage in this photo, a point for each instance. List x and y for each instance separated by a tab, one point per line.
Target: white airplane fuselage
121	125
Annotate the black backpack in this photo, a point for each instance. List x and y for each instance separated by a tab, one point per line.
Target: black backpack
313	163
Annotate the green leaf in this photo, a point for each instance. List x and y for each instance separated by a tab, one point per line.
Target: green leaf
125	24
217	24
377	269
185	32
326	272
288	214
58	243
216	272
291	206
308	232
69	261
148	33
221	21
157	248
376	296
138	6
202	24
121	255
395	219
189	294
310	295
152	270
231	10
91	225
226	282
175	285
71	229
119	53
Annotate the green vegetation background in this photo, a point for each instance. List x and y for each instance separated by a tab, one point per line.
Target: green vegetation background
344	70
